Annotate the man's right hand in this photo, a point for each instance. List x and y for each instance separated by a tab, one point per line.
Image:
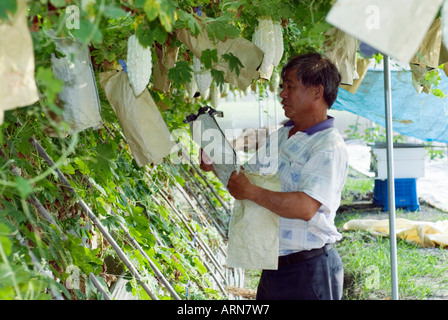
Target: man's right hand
205	163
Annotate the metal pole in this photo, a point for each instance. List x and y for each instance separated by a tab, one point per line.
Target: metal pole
390	178
268	119
95	220
275	109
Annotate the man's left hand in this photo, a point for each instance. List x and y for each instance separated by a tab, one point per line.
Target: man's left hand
239	185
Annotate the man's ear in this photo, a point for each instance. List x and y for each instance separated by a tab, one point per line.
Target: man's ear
318	91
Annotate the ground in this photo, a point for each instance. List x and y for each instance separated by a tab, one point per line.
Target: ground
364	209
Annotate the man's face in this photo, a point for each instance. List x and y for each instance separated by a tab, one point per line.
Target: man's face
297	100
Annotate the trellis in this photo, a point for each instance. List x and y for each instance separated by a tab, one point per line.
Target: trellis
205	211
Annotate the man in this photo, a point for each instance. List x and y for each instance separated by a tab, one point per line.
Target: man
312	164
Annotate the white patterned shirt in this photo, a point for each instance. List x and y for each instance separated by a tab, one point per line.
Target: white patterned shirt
314	162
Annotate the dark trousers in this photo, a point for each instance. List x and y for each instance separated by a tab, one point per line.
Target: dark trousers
318	278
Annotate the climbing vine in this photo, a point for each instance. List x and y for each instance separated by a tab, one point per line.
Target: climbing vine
50	247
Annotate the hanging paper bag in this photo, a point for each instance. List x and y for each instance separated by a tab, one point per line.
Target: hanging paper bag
396	28
167	56
145	130
253	232
427	57
428	54
207	133
341	48
79	95
362	65
248	54
17	85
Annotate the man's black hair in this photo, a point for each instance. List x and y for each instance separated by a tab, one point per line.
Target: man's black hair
313	69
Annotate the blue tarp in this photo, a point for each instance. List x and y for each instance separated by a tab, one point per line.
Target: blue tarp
423	116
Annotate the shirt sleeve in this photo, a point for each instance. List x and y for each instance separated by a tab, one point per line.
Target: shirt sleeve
265	160
323	176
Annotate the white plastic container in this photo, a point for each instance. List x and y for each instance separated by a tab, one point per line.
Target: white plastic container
409	161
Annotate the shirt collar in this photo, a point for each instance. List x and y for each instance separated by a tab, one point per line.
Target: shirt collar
329	123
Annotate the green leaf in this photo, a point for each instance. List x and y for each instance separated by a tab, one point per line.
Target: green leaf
218	75
180	180
188	21
234	63
166	15
88	32
208	57
58	3
82	166
48	84
5	242
152	9
181	73
164	9
24	187
105	151
147	33
221	30
67	168
112	222
199	266
140	3
114	12
7	7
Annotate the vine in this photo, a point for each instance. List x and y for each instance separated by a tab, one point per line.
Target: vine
167	219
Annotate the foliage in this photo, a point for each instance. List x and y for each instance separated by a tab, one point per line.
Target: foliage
43	260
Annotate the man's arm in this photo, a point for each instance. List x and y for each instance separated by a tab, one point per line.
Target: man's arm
292	205
205	163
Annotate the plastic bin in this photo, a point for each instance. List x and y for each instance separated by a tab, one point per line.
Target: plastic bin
409	160
405	194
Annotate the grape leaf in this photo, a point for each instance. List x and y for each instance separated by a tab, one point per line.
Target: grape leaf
220	29
218	75
152	9
188	21
166	14
148	33
208	57
234	63
181	73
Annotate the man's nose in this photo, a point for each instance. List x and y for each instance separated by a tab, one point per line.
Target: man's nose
282	93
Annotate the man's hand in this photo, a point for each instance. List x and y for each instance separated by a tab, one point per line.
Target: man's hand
291	205
205	163
239	185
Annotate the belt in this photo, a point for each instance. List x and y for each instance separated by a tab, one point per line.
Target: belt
297	257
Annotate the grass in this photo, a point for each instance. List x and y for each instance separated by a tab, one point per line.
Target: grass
356	188
422	272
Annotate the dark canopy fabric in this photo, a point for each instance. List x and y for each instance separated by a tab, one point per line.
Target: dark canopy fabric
423	116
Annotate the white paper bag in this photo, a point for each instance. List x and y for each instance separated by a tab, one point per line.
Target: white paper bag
253	232
17	85
341	48
208	135
147	135
396	28
249	54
